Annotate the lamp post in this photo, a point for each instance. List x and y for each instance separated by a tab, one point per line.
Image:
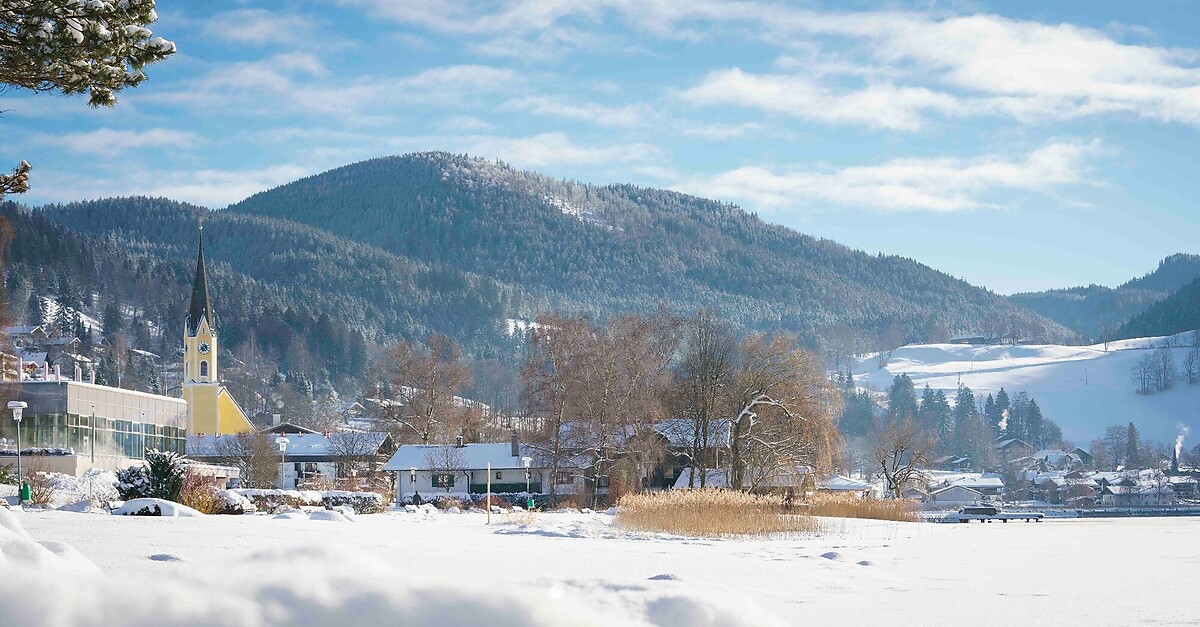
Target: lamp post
528	474
17	407
282	442
412	474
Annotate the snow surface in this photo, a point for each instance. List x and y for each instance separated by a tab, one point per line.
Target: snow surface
1082	388
578	569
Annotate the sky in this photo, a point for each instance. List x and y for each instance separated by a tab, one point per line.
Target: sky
1018	145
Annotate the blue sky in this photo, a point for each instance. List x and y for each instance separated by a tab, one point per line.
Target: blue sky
1016	145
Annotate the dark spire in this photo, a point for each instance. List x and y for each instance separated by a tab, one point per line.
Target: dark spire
201	306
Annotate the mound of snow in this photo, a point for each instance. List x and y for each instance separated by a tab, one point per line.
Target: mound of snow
21	554
328	515
155	507
264	590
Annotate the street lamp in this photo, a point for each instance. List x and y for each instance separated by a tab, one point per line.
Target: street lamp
528	461
412	474
17	407
282	442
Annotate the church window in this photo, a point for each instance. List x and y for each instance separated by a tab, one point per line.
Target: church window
204	369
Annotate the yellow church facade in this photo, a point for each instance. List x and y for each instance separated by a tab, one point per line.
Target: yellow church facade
211	408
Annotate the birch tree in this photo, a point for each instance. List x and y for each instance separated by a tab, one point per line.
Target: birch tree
425	381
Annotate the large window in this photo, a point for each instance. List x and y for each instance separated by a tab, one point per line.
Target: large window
443	480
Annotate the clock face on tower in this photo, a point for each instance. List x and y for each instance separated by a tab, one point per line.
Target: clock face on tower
203	348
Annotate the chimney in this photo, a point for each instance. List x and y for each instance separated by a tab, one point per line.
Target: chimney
275	418
57	372
516	444
458	443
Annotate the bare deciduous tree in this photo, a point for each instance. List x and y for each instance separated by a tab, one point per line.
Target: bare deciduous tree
253	454
425	381
783	416
900	448
703	383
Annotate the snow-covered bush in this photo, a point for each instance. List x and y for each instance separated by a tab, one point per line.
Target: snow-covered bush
166	471
160	478
362	502
275	501
133	482
230	502
96	486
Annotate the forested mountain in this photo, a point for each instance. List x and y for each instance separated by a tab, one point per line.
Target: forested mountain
615	248
1097	312
310	301
1177	313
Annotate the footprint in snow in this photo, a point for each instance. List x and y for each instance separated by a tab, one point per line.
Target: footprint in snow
165	557
866	563
665	577
834	556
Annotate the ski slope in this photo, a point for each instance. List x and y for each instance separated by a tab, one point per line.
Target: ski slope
1082	388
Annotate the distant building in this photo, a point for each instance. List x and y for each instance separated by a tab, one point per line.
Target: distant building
71	426
462	468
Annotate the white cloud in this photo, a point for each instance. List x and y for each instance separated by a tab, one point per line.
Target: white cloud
942	184
721	131
107	141
626	116
259	27
206	187
880	105
1024	69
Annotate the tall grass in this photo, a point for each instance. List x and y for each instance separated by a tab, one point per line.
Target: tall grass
710	513
851	506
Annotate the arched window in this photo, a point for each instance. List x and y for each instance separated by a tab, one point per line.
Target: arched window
203	369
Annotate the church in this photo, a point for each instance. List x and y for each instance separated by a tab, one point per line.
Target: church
210	407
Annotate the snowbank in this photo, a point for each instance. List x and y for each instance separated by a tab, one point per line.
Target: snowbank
343	585
155	507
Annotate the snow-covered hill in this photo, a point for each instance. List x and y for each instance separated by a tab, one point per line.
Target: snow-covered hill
1082	388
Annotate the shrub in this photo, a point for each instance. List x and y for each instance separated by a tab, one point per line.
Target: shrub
362	502
133	483
198	493
710	513
851	506
41	488
166	474
8	475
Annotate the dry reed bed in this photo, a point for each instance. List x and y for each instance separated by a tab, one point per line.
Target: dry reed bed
851	506
711	513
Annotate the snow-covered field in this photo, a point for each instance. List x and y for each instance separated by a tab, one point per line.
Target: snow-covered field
578	569
1082	388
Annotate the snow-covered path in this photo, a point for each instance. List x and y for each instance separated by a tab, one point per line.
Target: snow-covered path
577	569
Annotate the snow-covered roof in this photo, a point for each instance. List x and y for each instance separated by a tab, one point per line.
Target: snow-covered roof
300	446
979	482
58	341
713	478
954	489
475	456
22	330
838	483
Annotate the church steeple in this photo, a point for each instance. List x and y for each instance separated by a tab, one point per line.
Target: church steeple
201	306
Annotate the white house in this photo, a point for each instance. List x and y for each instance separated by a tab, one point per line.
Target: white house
1138	495
462	469
955	496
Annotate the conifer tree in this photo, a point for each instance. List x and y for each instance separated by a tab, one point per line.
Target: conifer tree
74	47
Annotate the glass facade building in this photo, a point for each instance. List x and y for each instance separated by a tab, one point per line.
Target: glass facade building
80	416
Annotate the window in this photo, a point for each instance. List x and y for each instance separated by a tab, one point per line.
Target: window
204	369
443	480
498	475
564	478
